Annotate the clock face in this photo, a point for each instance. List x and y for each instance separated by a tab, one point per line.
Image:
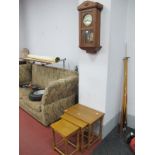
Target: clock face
87	20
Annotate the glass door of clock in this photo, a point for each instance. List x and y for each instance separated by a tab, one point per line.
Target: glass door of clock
88	36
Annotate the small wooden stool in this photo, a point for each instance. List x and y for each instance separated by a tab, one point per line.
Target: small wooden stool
66	130
83	127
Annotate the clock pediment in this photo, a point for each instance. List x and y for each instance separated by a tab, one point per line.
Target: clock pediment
89	5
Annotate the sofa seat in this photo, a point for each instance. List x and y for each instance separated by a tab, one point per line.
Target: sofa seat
24	92
24	98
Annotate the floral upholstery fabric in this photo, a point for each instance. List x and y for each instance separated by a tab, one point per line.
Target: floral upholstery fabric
25	73
52	112
23	93
24	97
61	88
43	75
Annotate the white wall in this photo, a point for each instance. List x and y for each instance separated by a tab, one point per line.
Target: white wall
101	75
122	32
93	67
130	37
21	27
116	55
50	28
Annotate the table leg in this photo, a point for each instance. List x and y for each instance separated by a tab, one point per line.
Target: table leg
82	138
66	146
78	140
54	142
89	135
100	132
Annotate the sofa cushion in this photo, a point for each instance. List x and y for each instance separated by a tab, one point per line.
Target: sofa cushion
24	98
25	74
43	75
24	93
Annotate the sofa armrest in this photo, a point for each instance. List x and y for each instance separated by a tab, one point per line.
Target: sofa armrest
60	89
25	73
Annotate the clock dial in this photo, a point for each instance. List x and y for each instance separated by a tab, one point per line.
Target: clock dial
87	20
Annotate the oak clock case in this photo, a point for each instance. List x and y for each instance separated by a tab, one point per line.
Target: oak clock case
89	26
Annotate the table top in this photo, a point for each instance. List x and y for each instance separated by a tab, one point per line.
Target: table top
64	128
84	113
74	120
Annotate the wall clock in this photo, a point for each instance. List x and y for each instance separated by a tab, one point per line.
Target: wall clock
89	26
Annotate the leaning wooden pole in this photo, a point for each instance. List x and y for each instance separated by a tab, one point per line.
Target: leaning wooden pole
123	121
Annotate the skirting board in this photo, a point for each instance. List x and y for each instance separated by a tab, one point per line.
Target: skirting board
107	128
131	121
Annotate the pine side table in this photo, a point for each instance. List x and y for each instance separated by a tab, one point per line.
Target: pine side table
83	127
90	116
66	130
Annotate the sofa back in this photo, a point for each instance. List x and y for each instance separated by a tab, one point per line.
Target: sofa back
43	75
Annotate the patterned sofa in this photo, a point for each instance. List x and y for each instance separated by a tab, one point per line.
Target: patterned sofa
61	88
